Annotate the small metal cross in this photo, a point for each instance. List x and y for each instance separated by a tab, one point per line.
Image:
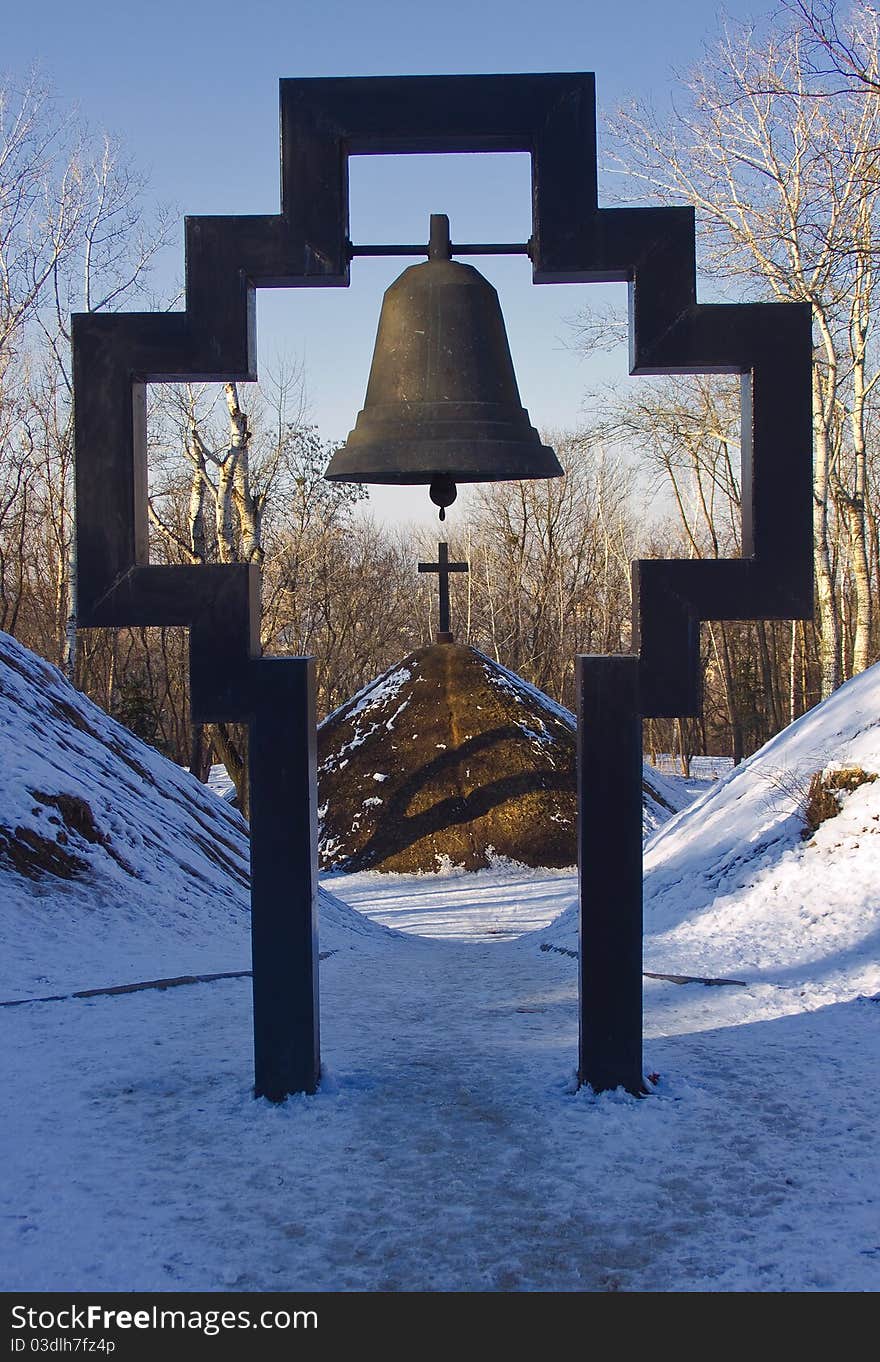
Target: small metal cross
443	569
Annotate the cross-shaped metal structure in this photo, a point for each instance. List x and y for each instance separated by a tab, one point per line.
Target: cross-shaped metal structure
443	568
324	122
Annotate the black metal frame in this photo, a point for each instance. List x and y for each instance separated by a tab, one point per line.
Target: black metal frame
323	122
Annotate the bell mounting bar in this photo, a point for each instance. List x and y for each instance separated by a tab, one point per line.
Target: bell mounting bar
470	248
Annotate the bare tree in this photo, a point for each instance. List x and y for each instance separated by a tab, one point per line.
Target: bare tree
237	481
550	560
73	235
785	193
843	47
42	204
687	430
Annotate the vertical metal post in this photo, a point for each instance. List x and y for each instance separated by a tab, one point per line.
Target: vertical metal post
610	872
284	887
443	567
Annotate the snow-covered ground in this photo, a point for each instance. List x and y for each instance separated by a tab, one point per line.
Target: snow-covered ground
447	1149
130	867
486	905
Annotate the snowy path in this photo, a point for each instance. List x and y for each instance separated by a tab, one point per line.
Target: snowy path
508	901
445	1150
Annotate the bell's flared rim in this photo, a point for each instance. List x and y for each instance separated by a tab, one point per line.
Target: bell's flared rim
407	462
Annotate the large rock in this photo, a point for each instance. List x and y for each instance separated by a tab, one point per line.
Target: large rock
450	758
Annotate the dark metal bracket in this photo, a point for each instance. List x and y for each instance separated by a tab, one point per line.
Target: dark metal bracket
323	123
469	248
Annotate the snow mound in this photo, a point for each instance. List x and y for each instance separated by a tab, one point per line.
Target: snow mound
662	797
115	865
733	888
450	757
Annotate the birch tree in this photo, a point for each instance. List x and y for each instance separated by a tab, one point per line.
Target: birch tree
204	507
785	192
239	479
74	235
843	43
223	520
687	432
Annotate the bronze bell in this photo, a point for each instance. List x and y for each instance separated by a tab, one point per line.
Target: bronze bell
442	402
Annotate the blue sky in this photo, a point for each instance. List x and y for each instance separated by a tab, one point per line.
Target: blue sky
191	89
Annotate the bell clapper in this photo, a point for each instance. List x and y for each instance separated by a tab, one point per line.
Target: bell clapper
443	492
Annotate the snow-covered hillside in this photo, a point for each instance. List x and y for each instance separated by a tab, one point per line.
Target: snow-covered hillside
738	878
733	887
115	865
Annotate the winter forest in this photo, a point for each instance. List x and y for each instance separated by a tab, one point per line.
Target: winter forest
773	141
